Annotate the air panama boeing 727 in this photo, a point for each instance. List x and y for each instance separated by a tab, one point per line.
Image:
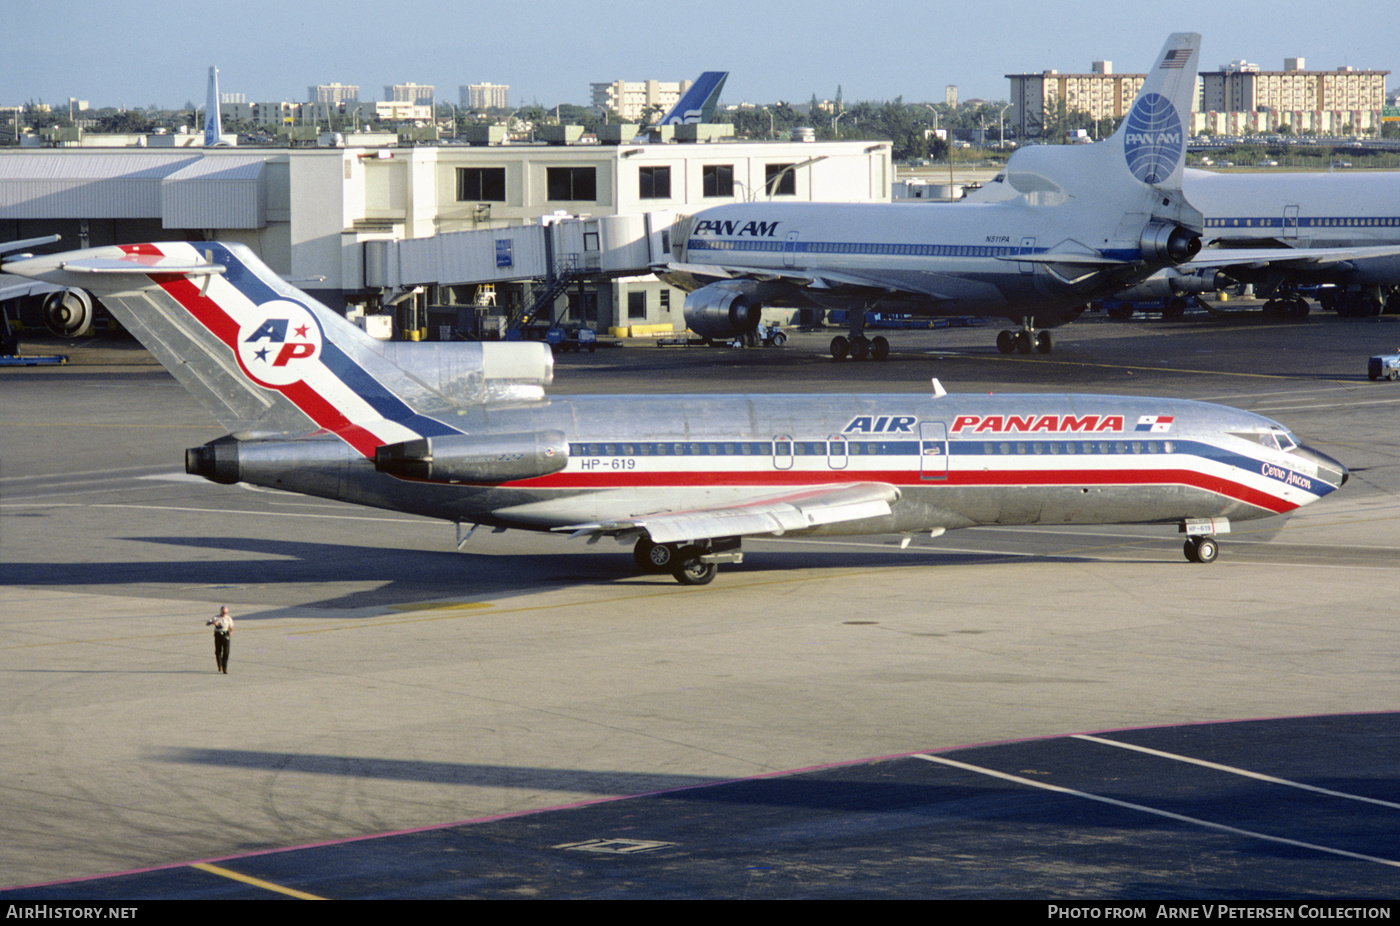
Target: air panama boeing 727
466	433
1086	222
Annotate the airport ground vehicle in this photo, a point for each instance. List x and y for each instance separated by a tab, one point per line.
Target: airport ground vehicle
1384	366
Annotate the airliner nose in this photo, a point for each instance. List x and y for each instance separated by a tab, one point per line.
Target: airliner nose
1328	469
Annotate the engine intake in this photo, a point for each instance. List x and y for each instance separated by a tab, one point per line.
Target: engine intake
68	313
1172	243
723	310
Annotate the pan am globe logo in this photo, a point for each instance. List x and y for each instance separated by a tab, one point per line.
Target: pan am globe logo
277	343
1152	141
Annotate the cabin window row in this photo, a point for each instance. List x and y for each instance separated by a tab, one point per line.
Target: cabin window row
1086	448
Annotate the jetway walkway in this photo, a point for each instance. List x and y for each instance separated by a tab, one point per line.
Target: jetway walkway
573	246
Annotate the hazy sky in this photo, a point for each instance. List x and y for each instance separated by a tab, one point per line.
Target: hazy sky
157	51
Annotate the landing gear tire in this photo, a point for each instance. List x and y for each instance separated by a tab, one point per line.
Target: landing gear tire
1023	342
840	347
1174	309
689	570
860	348
1044	343
1201	549
1006	342
879	348
654	558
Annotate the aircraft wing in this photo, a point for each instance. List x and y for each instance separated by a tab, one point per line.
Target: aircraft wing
831	281
1300	258
775	514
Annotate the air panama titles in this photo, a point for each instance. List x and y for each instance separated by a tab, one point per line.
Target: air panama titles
999	424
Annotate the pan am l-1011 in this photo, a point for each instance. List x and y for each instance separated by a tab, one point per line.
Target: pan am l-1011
1086	221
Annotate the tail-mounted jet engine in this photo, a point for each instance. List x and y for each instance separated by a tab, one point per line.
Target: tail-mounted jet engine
1174	243
484	458
68	313
488	458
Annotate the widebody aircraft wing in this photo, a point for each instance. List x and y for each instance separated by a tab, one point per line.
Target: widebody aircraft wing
830	281
1283	258
772	514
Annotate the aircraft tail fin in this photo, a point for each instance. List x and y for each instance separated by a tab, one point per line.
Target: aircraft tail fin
1133	179
698	103
213	126
267	359
1148	151
1152	139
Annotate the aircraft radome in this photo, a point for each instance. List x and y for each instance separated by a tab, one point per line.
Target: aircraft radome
465	432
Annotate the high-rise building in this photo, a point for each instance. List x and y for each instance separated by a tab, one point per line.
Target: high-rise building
485	96
417	94
1238	97
638	101
333	93
1036	98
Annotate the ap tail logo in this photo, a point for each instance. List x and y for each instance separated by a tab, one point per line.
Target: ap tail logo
279	343
1153	140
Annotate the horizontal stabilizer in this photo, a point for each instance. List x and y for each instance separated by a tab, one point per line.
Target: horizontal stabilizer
129	265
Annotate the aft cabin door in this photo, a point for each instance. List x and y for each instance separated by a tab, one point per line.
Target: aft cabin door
1290	221
790	250
933	450
1027	247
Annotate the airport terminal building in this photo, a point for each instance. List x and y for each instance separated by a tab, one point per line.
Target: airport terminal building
312	213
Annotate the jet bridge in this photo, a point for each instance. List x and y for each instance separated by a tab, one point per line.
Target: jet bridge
577	246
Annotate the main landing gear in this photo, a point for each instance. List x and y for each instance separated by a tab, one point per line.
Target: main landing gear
690	563
1293	307
1201	549
1022	341
859	347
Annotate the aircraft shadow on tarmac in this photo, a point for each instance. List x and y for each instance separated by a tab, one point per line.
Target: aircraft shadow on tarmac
414	575
882	785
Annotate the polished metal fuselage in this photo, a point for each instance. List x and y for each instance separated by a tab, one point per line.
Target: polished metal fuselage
956	460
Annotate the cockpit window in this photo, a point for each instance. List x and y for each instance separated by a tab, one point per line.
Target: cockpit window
1274	438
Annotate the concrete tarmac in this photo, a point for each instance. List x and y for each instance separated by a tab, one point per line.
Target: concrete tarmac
382	681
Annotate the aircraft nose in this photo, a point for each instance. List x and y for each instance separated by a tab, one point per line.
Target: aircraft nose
1328	469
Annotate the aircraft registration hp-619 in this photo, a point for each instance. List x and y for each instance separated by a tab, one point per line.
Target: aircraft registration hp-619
465	432
1087	221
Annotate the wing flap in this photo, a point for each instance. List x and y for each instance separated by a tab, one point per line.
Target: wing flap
776	515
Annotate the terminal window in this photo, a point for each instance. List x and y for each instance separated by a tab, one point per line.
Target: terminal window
579	184
780	179
655	183
481	184
718	180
